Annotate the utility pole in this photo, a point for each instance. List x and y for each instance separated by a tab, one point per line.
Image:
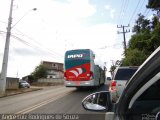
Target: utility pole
6	51
124	37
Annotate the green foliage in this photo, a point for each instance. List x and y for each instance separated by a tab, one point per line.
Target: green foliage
154	41
153	4
134	57
112	68
145	40
39	72
139	41
141	24
154	22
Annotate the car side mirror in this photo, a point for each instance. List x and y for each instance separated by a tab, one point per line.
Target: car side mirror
158	116
99	101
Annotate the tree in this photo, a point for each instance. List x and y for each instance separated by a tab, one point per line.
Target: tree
140	41
134	57
141	24
112	69
39	72
154	22
154	41
153	4
146	37
145	40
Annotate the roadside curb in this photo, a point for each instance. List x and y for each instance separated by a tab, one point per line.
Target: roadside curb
20	92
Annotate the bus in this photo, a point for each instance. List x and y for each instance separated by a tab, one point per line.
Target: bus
80	69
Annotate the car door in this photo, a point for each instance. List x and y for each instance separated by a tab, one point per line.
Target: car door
146	76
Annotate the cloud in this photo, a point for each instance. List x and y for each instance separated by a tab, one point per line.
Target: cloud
94	36
25	52
107	7
60	14
112	13
111	10
81	8
54	28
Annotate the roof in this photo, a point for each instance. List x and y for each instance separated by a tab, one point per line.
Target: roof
51	62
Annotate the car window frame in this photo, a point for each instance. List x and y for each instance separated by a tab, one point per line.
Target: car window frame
143	89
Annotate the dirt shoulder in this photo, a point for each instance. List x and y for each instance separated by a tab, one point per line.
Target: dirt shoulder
34	87
20	91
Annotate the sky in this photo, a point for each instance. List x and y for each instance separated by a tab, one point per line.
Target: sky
60	25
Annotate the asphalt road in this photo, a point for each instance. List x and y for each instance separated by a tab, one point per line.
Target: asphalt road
71	105
61	101
19	103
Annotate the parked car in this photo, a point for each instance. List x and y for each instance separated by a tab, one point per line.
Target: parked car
24	84
121	76
140	99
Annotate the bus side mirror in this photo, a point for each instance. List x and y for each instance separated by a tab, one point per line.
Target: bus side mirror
94	56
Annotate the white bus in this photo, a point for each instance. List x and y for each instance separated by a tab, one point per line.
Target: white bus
80	69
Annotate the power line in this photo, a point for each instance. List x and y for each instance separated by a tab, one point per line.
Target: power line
14	60
36	47
148	12
120	14
140	8
37	43
134	12
114	45
123	9
145	11
39	47
142	5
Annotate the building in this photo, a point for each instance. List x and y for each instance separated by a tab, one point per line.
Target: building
54	69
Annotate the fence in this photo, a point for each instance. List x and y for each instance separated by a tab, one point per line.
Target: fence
50	80
12	83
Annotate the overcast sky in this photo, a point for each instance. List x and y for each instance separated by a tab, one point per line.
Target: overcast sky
60	25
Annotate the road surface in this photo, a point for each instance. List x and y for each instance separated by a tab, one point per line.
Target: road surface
57	100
